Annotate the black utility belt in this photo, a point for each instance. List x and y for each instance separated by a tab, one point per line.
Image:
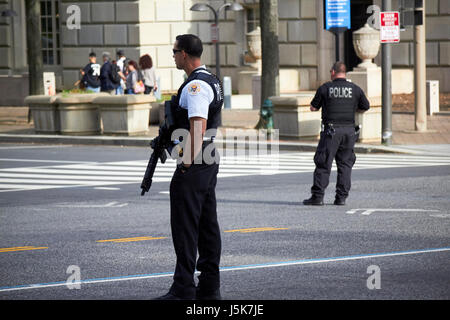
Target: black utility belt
338	125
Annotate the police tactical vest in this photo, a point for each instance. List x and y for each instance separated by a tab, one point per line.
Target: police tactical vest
215	107
341	102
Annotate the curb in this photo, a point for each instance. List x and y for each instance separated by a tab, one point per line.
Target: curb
145	141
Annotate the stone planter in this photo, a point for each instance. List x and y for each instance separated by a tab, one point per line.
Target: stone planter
154	113
44	112
293	118
161	113
371	123
126	114
78	115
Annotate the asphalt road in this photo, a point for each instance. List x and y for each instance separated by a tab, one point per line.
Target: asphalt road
119	243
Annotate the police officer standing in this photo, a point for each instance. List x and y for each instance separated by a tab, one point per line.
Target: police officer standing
339	100
193	214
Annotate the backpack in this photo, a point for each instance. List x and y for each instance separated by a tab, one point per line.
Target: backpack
115	78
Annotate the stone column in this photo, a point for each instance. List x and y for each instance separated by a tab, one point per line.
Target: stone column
325	48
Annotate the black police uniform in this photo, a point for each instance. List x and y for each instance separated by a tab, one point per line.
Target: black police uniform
339	100
193	203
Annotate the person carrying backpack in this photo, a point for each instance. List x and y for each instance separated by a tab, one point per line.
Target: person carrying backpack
109	77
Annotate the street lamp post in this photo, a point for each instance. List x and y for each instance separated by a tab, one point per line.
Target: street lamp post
205	7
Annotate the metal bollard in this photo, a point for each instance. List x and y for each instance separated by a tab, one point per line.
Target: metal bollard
432	96
227	92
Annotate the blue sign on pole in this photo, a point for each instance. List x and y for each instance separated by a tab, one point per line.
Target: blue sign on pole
337	14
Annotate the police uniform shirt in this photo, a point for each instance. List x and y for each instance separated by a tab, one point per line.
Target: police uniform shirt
339	100
196	96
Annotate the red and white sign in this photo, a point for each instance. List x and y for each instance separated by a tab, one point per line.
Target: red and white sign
389	27
214	33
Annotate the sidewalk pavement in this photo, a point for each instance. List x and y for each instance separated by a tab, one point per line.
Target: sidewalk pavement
14	128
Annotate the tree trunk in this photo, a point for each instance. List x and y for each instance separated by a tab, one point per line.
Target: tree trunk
270	77
34	49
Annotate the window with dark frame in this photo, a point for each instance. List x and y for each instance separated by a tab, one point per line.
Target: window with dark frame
252	18
50	32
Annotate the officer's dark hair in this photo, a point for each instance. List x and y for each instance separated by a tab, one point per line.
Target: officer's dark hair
92	54
339	67
191	44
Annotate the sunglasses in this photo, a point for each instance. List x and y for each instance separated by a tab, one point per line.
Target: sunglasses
176	50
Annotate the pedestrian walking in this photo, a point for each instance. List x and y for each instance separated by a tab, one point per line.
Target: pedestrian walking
148	73
339	99
193	215
109	78
91	74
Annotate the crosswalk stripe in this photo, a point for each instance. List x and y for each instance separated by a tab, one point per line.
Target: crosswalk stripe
84	173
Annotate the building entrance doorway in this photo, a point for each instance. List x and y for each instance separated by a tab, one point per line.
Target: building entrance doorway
359	17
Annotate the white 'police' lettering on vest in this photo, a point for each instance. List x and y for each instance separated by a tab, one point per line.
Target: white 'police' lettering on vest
340	92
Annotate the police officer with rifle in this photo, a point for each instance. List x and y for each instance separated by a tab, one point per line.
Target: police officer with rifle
339	100
193	217
159	145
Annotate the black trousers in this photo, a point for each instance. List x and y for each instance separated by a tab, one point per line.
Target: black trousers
194	225
148	90
338	146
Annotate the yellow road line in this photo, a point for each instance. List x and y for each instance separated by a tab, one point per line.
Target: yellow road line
121	240
131	239
12	249
256	230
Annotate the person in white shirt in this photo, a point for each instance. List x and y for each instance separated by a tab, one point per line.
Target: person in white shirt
121	64
148	73
193	206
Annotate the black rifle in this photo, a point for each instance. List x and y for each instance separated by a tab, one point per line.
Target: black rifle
159	146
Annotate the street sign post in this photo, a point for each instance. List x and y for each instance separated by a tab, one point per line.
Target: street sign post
387	22
389	27
337	19
214	33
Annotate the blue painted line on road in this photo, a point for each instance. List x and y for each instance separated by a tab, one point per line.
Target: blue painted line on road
224	269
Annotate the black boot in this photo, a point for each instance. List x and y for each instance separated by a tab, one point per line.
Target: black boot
208	296
171	296
339	201
313	201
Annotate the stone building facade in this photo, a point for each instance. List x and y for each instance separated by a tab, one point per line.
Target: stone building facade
150	26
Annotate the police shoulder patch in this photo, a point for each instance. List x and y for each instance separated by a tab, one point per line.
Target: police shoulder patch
194	88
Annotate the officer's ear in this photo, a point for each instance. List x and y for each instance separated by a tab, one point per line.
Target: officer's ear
332	73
